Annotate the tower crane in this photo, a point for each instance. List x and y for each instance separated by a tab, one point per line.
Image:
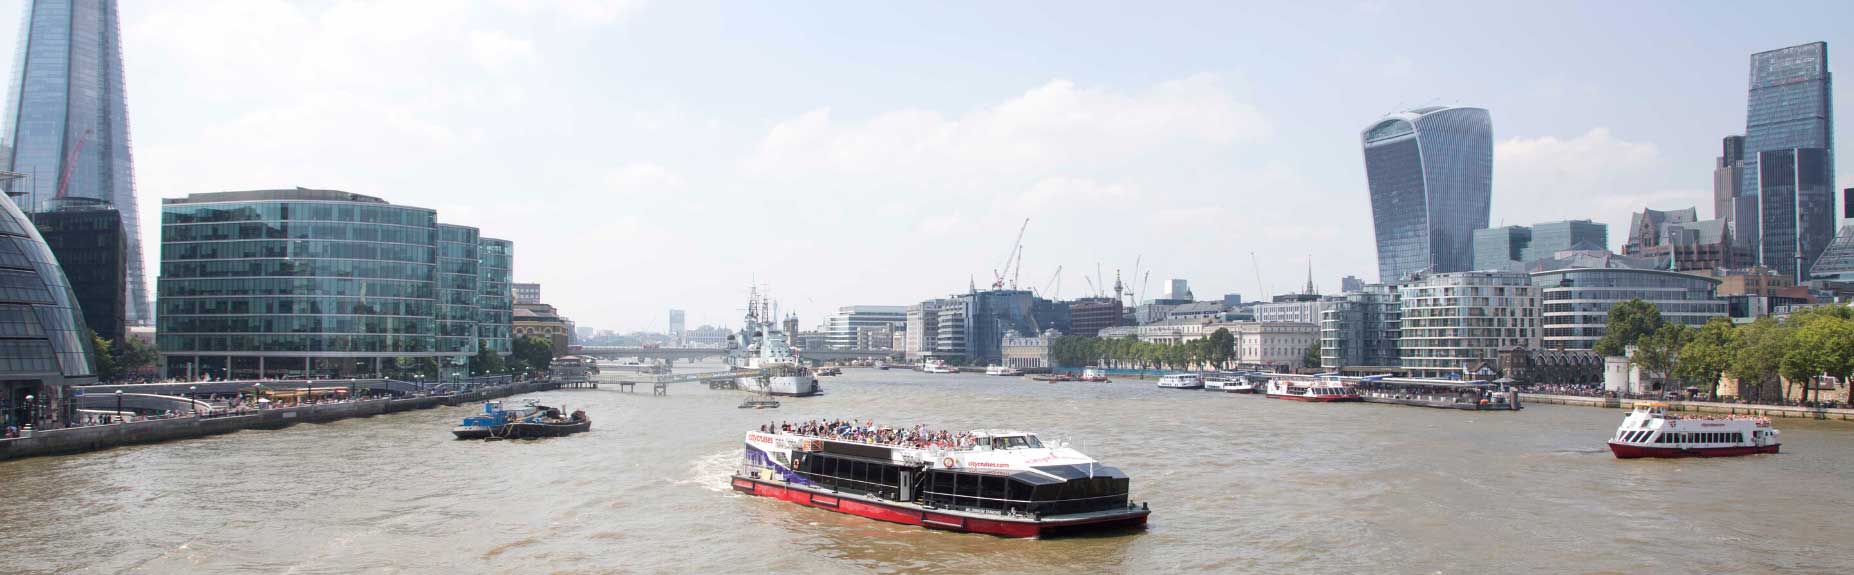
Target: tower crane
1055	279
1010	257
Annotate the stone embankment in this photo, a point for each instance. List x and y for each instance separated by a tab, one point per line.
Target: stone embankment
81	439
1834	414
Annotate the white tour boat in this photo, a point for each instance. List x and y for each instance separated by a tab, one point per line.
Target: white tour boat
1649	431
1221	383
1318	388
936	366
1003	371
1094	374
1181	381
997	482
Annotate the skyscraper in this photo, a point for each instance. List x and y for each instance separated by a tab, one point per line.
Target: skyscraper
1430	172
1789	109
1796	203
69	123
1728	200
676	328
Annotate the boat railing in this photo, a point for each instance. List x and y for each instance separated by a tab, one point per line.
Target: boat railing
1004	506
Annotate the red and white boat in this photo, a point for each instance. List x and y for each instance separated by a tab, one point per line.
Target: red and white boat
1321	388
997	482
1094	374
1649	431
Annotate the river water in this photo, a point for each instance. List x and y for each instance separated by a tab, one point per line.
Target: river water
1237	484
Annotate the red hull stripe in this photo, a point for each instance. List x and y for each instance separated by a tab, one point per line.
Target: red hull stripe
906	516
1317	398
1626	451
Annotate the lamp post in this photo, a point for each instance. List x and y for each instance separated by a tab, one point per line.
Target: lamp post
311	397
194	395
32	412
118	406
257	389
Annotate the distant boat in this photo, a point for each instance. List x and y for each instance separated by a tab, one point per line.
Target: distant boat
936	366
1003	371
1181	381
1094	374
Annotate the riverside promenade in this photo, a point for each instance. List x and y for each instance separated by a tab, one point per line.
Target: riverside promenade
95	437
1822	413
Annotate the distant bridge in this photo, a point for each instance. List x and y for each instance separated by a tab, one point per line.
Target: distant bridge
674	353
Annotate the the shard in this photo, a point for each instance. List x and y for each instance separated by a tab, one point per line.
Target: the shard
67	128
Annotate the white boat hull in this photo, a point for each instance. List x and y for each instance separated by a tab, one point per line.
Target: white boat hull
789	385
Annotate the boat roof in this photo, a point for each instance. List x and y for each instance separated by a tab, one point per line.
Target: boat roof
999	432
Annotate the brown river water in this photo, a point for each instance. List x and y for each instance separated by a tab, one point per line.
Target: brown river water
1237	484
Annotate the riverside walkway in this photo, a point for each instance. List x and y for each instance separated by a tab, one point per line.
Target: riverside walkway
95	437
1823	413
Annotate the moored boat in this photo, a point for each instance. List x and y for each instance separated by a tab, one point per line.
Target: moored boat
1648	431
1315	388
1002	370
1181	381
936	366
528	421
1094	374
997	482
492	418
549	423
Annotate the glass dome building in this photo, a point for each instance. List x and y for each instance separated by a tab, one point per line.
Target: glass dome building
44	345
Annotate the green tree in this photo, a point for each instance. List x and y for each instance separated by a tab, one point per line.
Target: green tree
1659	353
1222	347
106	367
531	354
1758	355
1822	344
134	355
1629	322
1708	354
1312	359
486	362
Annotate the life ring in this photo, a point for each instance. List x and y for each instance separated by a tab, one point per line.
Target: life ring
947	463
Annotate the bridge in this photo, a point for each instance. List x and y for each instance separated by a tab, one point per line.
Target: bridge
693	353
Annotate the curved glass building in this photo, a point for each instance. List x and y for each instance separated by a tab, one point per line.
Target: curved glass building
295	283
1575	302
44	344
1430	172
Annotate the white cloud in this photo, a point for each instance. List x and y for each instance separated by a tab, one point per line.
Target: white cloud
1595	175
497	50
1056	124
589	12
1058	191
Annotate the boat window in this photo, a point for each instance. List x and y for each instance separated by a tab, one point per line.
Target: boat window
1034	442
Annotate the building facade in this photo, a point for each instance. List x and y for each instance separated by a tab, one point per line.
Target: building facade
542	321
526	292
850	326
1500	248
69	124
1575	301
459	274
1729	202
1362	328
86	236
496	302
315	283
1455	322
1273	346
1030	352
1683	242
44	347
1088	316
1298	310
1789	106
1430	174
1796	209
678	328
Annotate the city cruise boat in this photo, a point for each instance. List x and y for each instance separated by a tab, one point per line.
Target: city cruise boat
1220	383
1003	370
996	482
1318	388
1094	374
936	366
1649	431
1181	381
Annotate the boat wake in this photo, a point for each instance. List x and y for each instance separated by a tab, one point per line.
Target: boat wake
712	471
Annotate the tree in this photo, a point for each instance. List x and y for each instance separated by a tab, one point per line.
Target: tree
1708	354
1222	347
1658	353
1758	354
1823	344
532	354
1629	322
107	369
487	362
133	355
1312	359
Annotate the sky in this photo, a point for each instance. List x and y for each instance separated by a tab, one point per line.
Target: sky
654	155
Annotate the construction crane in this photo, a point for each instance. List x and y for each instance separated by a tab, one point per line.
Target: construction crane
1100	281
1010	258
1055	279
1258	275
1091	289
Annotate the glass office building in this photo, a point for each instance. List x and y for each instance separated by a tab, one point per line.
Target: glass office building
1500	248
44	345
69	124
1790	106
317	283
1575	302
496	301
458	275
1796	209
1430	173
86	236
